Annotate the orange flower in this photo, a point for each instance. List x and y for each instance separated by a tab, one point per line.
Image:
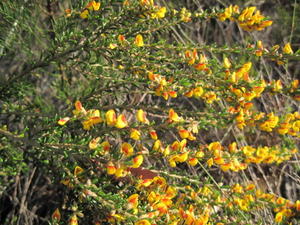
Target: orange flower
73	220
56	215
105	145
121	38
153	134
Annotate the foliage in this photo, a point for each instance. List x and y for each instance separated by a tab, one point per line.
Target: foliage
112	114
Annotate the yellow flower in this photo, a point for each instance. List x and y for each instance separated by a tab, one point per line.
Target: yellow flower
153	134
270	123
139	41
68	12
160	13
121	172
121	122
142	222
79	110
210	162
84	14
226	63
279	217
63	121
183	133
93	117
127	149
287	49
78	170
133	201
198	92
135	134
73	220
137	161
111	117
157	145
193	161
146	2
210	97
173	116
93	6
93	144
111	168
182	157
141	116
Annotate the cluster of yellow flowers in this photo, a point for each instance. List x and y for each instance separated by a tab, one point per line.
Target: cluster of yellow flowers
91	6
249	19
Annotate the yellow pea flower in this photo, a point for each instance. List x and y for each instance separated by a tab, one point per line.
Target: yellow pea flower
183	133
73	220
79	110
93	5
193	161
226	63
287	49
111	168
84	14
142	222
153	134
139	41
63	121
93	144
141	116
78	170
210	162
111	117
133	201
121	122
137	161
173	116
198	92
127	149
279	217
135	134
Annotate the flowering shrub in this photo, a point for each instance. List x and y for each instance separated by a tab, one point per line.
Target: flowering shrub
151	131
